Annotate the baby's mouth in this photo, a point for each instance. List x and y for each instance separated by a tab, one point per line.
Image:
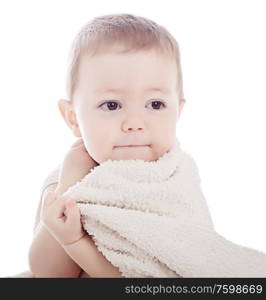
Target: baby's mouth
132	146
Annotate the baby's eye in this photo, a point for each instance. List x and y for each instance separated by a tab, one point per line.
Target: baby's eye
113	105
157	104
110	104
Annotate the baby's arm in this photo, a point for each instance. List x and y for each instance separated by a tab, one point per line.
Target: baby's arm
92	261
47	258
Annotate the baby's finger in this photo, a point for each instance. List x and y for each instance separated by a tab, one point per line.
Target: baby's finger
58	207
68	205
73	212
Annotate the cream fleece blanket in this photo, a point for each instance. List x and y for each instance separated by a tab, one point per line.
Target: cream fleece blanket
150	219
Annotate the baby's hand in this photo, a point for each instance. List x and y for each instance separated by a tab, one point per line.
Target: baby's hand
76	164
61	217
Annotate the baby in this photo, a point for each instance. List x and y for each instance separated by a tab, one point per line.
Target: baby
125	96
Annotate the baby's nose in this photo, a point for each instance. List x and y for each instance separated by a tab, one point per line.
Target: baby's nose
135	124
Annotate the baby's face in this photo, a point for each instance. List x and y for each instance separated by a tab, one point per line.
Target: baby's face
115	105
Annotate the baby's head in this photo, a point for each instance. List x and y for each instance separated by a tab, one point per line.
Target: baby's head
124	87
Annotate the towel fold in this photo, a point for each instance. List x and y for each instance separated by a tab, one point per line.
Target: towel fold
150	219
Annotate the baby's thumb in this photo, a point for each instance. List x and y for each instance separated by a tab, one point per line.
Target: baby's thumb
72	209
70	203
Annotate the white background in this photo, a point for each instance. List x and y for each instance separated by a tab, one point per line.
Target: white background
223	123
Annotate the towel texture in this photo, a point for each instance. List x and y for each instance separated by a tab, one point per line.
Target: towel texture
150	219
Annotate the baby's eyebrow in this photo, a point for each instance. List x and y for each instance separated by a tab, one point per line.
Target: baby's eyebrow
150	89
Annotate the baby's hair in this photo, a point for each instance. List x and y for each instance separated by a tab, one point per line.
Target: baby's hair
133	32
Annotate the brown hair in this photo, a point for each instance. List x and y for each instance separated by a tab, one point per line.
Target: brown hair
133	32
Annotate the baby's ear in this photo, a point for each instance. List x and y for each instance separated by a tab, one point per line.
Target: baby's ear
69	116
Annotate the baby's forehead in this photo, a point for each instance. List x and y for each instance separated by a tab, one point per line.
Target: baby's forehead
139	73
110	66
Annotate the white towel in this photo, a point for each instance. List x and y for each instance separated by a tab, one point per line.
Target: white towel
150	219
